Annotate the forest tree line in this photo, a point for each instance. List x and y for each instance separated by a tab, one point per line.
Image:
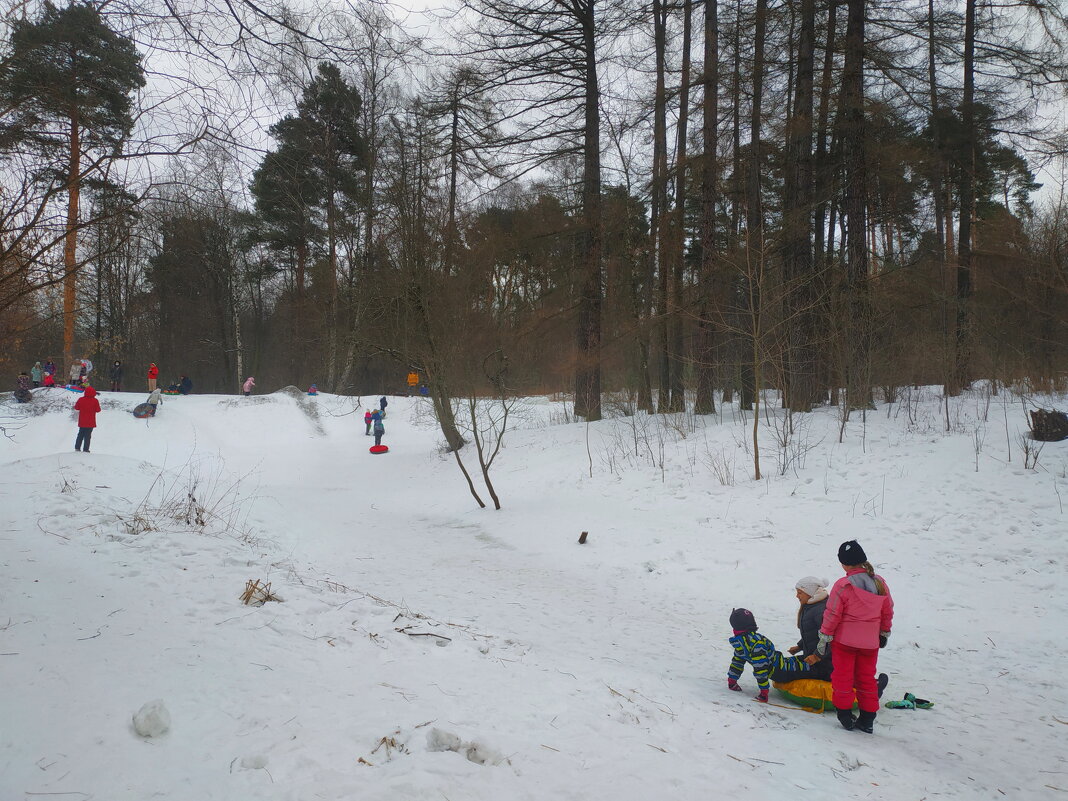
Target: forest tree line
651	204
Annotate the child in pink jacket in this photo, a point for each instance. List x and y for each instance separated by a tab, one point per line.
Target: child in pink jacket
856	624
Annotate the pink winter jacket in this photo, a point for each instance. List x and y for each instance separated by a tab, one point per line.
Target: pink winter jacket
854	616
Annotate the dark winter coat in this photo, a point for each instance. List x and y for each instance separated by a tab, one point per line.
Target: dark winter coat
185	386
379	428
116	373
50	368
383	403
23	382
809	621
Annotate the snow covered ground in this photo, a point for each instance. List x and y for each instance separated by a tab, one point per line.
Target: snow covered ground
423	648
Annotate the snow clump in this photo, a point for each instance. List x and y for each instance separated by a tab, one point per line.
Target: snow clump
152	719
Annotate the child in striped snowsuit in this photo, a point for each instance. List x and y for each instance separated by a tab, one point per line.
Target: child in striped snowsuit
758	651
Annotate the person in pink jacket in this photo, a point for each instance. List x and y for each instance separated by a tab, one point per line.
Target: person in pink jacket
250	382
856	624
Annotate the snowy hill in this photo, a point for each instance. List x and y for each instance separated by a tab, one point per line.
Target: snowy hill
423	648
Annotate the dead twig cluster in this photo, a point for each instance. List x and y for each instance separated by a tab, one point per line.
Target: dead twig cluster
257	594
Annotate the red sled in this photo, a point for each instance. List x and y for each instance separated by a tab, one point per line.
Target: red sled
378	449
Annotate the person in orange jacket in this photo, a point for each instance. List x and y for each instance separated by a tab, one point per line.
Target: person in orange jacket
87	407
153	374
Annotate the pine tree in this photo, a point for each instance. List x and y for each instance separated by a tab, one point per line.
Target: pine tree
68	81
320	154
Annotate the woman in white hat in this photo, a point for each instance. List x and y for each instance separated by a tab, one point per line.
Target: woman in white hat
812	595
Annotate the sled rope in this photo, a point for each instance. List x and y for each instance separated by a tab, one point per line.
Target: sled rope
819	711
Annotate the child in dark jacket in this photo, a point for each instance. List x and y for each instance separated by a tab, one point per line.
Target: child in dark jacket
758	651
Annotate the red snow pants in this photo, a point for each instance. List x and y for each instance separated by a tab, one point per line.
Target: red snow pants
854	671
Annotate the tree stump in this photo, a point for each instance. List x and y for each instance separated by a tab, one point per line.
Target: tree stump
1048	425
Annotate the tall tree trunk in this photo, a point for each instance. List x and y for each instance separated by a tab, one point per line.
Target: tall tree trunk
70	240
859	325
659	209
962	362
705	402
822	167
753	272
678	232
797	209
332	296
454	171
588	374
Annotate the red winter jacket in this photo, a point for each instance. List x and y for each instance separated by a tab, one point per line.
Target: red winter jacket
87	406
153	371
855	616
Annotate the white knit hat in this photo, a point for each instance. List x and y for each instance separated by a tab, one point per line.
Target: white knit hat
811	584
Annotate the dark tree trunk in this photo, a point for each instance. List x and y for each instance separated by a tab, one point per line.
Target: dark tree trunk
753	270
962	362
678	232
705	402
70	241
859	325
801	378
658	207
588	373
823	168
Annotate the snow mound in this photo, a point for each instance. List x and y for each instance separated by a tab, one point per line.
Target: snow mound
479	753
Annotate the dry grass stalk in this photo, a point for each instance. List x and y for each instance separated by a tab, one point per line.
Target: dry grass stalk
257	594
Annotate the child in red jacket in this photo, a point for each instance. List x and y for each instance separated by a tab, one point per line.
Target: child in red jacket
856	624
87	406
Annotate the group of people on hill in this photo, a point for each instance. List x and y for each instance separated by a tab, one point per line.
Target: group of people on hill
842	629
44	375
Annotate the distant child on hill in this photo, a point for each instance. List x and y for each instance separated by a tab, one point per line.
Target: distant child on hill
22	388
368	419
250	382
87	407
758	651
49	381
155	399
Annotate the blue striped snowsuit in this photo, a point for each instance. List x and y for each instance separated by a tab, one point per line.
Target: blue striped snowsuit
759	651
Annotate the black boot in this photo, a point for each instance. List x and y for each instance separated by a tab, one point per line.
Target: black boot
866	722
845	717
881	683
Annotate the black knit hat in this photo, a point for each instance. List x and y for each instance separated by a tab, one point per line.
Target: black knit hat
743	620
850	553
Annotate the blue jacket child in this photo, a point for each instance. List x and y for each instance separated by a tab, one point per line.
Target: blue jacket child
758	651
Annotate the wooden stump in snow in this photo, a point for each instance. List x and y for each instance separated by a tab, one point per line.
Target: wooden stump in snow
1048	425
